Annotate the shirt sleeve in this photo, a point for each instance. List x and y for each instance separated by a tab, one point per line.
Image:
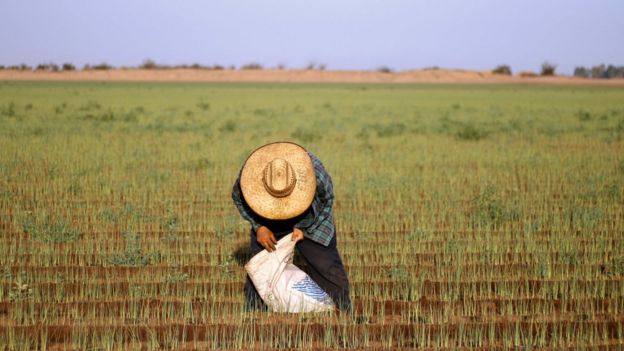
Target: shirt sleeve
318	224
324	217
244	209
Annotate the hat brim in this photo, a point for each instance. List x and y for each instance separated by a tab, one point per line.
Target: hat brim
259	199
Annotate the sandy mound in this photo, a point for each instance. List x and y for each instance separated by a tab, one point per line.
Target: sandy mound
296	76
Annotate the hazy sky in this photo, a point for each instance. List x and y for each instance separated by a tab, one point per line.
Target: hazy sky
471	34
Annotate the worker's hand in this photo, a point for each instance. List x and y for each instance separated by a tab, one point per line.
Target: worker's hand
297	234
265	237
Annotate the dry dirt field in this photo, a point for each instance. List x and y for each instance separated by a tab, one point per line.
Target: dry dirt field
469	216
300	76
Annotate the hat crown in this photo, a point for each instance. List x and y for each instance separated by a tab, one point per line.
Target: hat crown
278	181
279	178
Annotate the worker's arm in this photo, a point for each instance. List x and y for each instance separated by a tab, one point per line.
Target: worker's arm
318	224
244	209
264	235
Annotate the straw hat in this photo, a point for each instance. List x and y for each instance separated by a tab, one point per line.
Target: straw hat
278	180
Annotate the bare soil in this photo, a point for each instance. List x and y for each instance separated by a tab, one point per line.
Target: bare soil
300	76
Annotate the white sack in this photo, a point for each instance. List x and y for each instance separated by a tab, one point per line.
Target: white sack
282	285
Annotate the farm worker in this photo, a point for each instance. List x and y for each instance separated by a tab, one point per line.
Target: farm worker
283	188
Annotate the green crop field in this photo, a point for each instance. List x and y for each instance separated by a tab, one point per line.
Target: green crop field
468	216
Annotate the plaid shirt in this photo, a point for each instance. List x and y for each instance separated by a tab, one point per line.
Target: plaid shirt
317	221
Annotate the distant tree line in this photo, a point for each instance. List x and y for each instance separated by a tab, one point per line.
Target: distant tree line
601	71
548	69
147	64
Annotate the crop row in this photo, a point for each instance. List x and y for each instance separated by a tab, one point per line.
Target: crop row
49	258
392	289
559	333
434	237
424	240
463	269
424	310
